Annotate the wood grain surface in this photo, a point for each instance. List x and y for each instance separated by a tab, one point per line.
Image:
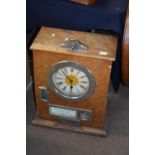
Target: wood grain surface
125	53
96	102
53	124
49	39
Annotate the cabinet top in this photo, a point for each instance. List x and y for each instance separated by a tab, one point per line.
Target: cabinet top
100	46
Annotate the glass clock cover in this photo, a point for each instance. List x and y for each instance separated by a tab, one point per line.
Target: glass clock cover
71	81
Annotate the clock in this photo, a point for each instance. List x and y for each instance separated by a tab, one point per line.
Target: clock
71	81
71	78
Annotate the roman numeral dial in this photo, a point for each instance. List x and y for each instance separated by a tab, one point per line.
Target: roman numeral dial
71	81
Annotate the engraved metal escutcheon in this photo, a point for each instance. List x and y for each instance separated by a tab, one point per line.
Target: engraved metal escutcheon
74	45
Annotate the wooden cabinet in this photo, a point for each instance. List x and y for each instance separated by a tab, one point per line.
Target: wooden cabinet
87	114
86	2
125	53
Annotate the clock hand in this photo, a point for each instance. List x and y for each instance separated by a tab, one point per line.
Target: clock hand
64	73
71	88
67	76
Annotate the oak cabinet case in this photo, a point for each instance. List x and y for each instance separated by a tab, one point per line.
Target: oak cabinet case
71	77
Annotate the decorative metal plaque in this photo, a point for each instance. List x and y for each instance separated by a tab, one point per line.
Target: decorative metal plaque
74	45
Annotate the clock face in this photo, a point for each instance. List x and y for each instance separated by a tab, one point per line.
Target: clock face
71	81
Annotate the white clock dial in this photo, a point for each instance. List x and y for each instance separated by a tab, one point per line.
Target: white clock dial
71	81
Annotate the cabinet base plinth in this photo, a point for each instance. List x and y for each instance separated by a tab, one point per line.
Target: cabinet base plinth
52	124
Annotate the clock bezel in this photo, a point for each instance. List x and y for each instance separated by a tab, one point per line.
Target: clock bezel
77	65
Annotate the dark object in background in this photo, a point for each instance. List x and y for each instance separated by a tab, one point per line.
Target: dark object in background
86	2
102	15
125	53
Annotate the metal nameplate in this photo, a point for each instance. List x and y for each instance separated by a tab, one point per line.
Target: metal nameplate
58	111
73	113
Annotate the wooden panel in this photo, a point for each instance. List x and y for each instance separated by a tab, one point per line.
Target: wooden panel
28	73
49	39
52	124
96	102
125	53
86	2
